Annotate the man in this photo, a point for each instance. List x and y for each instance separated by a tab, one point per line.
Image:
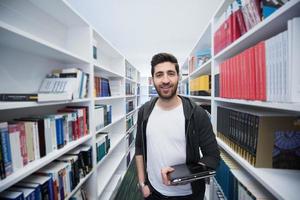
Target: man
171	130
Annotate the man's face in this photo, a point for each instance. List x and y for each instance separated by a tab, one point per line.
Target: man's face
165	80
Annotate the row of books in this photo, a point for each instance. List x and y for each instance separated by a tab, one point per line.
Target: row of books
236	184
27	139
56	180
129	121
201	86
103	115
64	84
267	71
103	144
102	87
60	85
240	17
152	90
197	60
184	88
264	139
131	136
129	88
129	106
130	71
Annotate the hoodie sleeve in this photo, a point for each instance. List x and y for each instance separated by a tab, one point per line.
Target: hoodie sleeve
208	143
139	137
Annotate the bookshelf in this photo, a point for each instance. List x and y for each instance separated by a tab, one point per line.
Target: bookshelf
280	183
40	36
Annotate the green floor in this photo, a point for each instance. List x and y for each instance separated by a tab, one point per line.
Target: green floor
128	189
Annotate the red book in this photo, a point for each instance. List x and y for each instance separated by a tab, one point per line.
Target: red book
257	73
236	33
221	79
252	81
85	111
75	124
21	128
262	53
240	21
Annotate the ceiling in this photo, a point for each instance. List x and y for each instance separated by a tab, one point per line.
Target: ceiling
141	28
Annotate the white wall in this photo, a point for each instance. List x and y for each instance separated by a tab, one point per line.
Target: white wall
142	28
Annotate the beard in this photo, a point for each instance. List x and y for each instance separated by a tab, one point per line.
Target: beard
166	96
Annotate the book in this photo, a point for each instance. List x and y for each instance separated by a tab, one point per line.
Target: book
6	149
18	97
11	195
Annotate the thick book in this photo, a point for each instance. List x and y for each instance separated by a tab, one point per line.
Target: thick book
184	173
18	97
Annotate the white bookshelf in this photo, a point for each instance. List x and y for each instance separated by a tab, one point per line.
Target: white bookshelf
282	184
39	36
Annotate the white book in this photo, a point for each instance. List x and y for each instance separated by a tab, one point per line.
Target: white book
56	89
268	69
53	131
284	65
29	126
48	135
295	59
115	87
78	80
15	144
36	141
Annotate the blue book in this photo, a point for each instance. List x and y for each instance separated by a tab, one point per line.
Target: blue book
59	131
29	193
6	151
11	195
35	186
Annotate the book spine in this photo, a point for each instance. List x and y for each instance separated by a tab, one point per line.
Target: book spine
6	149
18	97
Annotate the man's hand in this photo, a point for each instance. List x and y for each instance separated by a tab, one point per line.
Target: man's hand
165	175
146	191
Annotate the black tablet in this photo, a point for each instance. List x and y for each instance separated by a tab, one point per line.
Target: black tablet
184	173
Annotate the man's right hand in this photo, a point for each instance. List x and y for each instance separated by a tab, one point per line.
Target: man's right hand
146	191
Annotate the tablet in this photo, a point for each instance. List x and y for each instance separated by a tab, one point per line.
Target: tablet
184	173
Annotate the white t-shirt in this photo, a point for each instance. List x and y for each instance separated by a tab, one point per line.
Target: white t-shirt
166	146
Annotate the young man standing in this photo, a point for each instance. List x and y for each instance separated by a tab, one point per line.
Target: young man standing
171	130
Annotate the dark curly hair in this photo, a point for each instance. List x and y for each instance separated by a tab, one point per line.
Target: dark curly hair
163	57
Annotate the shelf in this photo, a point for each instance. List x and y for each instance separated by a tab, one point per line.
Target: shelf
108	98
131	128
27	104
105	72
272	105
185	79
282	183
131	80
200	97
113	164
130	96
116	139
82	181
202	70
272	25
113	186
21	40
131	111
38	164
109	125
